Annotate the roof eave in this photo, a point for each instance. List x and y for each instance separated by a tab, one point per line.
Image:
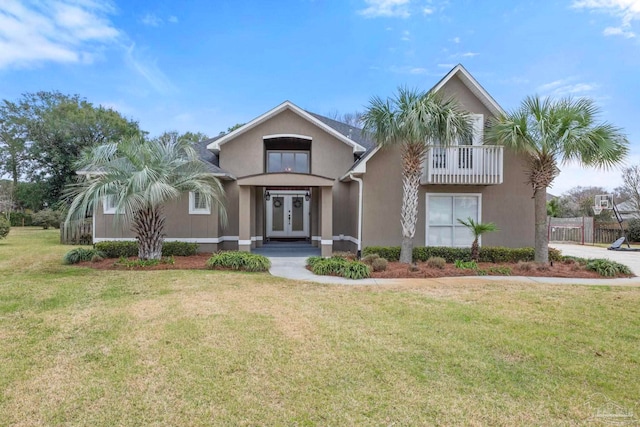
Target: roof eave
215	145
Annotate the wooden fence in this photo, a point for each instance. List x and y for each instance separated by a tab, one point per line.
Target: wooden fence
583	230
77	234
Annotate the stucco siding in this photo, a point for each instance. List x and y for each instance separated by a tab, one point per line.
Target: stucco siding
509	205
178	223
244	155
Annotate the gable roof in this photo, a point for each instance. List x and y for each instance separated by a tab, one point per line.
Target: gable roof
472	84
287	105
468	80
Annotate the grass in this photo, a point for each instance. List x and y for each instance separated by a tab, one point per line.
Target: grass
85	347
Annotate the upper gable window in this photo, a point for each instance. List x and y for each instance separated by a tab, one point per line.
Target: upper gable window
287	153
287	161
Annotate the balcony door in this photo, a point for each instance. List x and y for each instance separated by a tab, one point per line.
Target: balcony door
461	156
287	215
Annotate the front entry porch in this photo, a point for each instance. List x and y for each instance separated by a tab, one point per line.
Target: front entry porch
287	249
285	212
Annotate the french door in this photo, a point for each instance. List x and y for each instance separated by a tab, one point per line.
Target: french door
287	215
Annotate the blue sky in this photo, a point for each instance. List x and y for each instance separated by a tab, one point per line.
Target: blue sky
205	65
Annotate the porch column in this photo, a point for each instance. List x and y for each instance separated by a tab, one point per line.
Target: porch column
244	218
259	220
326	222
252	212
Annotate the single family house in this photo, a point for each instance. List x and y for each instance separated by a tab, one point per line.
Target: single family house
293	174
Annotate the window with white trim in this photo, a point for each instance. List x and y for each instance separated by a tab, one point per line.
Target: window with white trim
287	161
198	204
443	212
109	205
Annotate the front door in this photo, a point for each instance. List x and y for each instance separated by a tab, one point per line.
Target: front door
287	215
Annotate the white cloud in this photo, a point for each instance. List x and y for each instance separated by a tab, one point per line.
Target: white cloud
427	11
469	54
446	65
627	10
152	20
386	8
149	70
406	36
619	31
173	19
456	40
566	87
66	31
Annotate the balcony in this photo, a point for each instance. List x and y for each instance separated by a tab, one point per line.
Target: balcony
464	165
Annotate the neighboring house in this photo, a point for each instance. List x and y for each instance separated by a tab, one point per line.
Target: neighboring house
627	210
292	174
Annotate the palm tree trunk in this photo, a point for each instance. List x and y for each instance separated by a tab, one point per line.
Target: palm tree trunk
148	225
541	236
475	250
412	159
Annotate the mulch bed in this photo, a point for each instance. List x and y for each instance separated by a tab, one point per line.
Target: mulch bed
395	270
195	262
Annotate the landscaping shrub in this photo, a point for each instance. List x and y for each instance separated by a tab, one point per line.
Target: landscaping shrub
179	249
487	253
391	253
77	255
525	265
313	259
350	256
242	261
607	268
329	266
20	219
436	262
633	230
466	264
368	259
47	218
379	264
356	270
5	227
117	249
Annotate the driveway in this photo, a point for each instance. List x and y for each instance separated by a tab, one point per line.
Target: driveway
630	259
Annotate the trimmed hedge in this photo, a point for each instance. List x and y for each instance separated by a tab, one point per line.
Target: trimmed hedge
487	254
117	249
18	219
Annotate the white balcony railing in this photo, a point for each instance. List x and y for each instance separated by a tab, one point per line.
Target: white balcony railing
464	165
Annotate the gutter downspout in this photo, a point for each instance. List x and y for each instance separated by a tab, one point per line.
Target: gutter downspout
360	184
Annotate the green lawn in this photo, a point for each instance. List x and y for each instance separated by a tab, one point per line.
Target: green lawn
84	347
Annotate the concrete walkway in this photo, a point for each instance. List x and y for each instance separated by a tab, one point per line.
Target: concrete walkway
294	268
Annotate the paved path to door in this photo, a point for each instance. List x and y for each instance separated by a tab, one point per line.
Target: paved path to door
294	268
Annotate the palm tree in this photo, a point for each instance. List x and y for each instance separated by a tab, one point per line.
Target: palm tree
548	132
477	229
139	176
412	119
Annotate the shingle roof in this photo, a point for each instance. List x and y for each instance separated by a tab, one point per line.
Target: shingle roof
352	132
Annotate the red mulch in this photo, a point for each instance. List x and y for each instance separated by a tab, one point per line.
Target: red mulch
395	270
195	262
